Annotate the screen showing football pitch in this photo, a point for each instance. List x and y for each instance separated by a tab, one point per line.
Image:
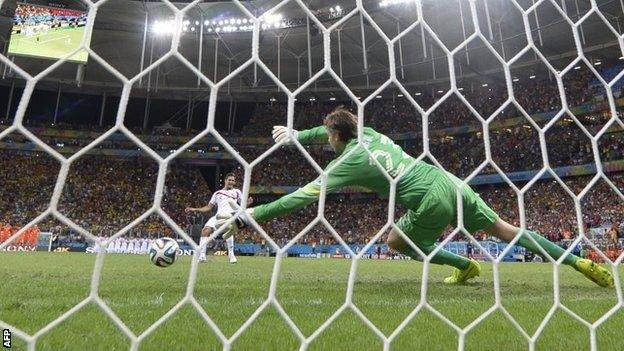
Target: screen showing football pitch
49	30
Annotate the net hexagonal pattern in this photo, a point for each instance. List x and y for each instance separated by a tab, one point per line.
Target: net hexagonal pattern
271	299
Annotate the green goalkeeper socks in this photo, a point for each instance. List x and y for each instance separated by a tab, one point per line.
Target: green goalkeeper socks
549	247
460	262
441	257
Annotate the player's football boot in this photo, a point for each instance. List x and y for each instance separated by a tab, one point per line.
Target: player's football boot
233	259
595	272
460	276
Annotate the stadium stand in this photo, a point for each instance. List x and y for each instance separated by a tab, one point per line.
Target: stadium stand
102	206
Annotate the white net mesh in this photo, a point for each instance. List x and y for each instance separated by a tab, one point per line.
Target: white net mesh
328	69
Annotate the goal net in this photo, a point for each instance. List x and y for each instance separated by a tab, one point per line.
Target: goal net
472	76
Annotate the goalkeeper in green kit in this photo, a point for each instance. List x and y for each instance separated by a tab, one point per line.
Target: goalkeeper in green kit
426	191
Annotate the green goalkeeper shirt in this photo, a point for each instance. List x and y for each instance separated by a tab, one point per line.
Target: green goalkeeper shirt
356	168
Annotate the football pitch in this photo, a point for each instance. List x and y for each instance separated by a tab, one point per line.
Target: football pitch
36	288
54	44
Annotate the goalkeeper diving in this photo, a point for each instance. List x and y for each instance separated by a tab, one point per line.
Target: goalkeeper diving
428	192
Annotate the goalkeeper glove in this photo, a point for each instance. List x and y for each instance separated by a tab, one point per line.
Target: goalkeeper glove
281	133
240	222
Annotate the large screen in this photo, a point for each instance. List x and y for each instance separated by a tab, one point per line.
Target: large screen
49	30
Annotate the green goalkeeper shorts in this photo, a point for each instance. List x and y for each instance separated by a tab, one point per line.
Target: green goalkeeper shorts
438	209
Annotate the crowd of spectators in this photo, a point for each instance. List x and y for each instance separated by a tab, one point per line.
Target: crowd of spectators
398	115
513	149
516	148
30	13
27	181
103	194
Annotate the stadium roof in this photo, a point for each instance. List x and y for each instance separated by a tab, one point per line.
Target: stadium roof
119	30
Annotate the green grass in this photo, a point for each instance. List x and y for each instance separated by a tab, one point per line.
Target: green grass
38	287
54	44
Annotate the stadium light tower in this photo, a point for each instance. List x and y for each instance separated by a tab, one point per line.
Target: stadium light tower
163	27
